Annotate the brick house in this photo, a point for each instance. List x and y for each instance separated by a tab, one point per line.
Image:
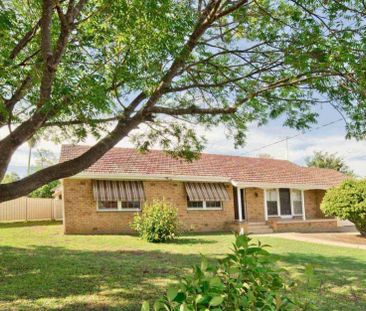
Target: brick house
214	193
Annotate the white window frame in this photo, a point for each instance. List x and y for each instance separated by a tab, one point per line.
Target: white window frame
292	202
119	208
204	208
279	204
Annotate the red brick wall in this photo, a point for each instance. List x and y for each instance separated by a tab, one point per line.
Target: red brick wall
81	215
254	200
313	199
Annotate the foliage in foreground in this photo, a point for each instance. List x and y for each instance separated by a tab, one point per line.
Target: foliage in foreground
158	222
347	201
244	280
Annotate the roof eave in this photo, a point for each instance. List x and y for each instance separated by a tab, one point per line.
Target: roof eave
116	176
279	185
119	176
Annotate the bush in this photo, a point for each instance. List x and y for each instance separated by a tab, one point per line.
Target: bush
243	280
347	201
46	191
158	222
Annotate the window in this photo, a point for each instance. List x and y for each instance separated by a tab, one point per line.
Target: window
296	202
214	205
119	206
272	202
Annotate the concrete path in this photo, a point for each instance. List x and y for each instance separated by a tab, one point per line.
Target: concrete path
343	239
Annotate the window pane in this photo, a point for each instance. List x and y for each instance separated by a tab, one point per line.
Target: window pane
213	204
130	204
272	195
195	204
297	201
272	208
107	205
296	195
297	207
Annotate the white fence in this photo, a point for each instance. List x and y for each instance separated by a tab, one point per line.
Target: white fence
27	209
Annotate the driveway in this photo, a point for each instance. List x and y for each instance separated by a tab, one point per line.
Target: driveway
344	239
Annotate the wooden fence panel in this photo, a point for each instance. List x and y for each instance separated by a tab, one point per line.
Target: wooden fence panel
58	211
39	208
24	209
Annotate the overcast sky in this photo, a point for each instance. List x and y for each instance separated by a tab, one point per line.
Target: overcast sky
330	138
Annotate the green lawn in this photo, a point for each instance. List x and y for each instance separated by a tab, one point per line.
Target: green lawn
40	268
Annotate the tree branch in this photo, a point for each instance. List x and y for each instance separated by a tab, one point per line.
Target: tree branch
79	122
24	41
193	110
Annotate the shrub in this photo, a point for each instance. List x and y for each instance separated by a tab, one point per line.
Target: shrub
347	201
158	222
243	280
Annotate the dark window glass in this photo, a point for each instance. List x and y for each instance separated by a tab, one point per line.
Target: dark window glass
108	205
130	204
213	204
195	204
272	208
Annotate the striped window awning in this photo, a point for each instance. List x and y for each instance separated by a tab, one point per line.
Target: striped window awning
110	190
207	192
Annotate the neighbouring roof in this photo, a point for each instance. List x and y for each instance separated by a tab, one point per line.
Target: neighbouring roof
237	169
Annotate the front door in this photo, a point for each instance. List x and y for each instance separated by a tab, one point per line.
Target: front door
285	202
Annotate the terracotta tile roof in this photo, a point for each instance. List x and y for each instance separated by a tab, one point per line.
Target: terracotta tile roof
235	168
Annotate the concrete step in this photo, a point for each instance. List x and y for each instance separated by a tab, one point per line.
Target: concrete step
259	228
263	231
261	223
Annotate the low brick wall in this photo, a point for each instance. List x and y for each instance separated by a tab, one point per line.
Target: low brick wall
313	225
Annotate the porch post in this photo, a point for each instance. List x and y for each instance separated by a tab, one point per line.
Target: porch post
240	213
265	204
303	205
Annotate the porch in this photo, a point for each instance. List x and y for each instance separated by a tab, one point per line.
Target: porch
282	209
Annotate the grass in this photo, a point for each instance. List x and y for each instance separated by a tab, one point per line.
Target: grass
40	268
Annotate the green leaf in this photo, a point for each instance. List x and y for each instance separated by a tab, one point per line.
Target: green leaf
217	300
172	293
145	306
204	264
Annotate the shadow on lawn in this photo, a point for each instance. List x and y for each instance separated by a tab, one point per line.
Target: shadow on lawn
341	278
30	224
187	240
120	278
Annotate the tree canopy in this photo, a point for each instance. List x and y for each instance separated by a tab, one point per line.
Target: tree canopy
71	68
329	160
